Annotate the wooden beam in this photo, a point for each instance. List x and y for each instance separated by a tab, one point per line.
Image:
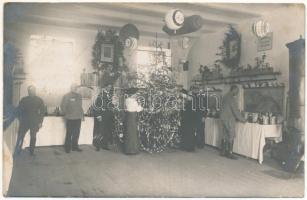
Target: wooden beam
162	8
219	11
80	25
150	14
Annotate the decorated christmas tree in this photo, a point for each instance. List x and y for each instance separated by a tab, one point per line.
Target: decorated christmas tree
159	122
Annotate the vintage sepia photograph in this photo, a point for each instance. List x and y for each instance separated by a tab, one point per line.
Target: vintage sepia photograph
153	99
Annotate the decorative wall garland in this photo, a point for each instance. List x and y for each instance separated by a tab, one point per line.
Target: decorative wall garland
231	49
108	37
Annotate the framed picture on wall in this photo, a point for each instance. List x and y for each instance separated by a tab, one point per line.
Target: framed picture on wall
107	53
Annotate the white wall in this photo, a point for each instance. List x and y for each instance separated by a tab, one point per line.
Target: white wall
287	24
203	52
19	34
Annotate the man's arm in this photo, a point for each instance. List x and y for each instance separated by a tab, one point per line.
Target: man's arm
20	108
81	107
236	111
97	106
42	111
63	104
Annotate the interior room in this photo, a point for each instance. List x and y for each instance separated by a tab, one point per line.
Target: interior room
153	99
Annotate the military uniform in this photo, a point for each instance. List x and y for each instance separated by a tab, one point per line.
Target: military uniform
71	107
31	111
229	115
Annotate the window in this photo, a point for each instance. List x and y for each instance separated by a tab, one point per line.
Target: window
150	59
51	66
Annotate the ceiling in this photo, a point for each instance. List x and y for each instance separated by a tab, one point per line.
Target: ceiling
148	17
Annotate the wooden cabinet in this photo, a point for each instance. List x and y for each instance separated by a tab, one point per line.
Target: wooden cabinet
296	102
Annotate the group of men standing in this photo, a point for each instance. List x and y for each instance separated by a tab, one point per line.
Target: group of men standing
31	112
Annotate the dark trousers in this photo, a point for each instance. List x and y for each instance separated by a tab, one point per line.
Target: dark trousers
72	134
188	138
23	129
103	130
200	133
107	128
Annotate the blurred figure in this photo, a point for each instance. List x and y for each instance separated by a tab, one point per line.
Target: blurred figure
198	118
187	129
31	111
229	115
71	107
104	118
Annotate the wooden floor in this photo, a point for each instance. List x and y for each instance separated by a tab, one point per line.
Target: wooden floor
175	173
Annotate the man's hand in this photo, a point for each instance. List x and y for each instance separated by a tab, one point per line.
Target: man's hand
99	118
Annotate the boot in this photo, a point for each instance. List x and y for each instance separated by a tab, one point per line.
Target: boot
32	145
229	151
31	151
76	149
223	148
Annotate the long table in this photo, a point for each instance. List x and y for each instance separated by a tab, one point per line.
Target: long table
249	141
53	132
250	137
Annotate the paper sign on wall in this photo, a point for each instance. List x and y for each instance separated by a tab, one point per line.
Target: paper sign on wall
265	43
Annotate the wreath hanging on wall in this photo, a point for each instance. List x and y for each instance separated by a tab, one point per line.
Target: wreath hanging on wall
110	40
231	49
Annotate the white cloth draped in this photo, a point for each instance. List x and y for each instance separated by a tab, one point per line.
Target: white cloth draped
53	132
250	137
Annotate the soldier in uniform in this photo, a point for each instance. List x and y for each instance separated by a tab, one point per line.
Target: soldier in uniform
31	110
71	107
104	118
229	115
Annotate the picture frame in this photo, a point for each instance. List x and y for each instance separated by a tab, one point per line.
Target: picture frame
107	53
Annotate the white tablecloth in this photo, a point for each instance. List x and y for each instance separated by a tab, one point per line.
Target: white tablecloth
53	132
250	137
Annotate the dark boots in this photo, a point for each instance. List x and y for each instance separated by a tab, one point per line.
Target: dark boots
226	150
223	148
32	145
229	153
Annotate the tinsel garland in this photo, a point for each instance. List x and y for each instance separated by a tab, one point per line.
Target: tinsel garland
158	130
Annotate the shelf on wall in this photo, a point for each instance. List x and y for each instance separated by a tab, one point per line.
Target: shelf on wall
250	88
233	79
254	75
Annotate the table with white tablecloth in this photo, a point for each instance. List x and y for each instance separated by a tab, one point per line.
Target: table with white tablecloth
250	137
53	132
